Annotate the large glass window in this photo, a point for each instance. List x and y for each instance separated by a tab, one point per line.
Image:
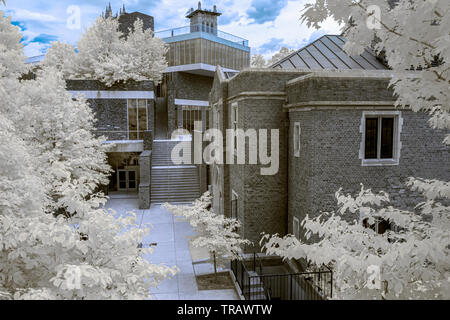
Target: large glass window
137	119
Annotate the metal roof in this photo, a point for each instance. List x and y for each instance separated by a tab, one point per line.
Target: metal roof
327	53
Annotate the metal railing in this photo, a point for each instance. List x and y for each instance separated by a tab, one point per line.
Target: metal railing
164	34
316	285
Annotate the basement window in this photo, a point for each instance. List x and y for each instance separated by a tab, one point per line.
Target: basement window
380	225
380	138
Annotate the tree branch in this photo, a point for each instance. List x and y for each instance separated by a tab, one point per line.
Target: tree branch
395	32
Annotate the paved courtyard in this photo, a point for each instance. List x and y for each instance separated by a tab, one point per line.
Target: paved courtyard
172	249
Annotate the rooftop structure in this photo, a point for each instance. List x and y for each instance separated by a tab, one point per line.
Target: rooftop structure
201	46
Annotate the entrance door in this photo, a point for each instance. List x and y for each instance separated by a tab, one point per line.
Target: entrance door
127	180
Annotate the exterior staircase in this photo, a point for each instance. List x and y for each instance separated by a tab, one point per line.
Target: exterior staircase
256	288
170	182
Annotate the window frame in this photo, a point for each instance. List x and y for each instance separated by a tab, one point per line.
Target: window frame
137	118
297	139
396	144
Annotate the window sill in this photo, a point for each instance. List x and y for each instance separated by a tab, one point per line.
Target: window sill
379	162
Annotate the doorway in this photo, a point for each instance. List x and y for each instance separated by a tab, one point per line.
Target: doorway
127	180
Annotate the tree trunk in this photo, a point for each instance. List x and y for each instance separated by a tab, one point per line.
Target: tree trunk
385	290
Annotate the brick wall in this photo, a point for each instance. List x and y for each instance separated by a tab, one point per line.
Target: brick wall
340	89
188	86
329	160
265	197
111	114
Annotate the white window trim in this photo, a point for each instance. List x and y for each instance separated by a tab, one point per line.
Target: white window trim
398	127
296	230
297	139
196	103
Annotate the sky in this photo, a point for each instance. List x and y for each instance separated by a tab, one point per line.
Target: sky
267	24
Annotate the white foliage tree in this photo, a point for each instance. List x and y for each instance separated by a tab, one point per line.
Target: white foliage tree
409	262
214	232
50	163
61	56
283	53
413	259
258	61
105	54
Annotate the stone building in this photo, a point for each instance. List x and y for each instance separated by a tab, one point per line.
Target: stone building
138	118
338	127
194	52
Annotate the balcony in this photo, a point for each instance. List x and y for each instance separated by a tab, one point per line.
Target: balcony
202	31
198	49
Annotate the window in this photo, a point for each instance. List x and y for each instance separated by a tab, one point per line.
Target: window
234	124
296	228
380	226
137	118
297	133
381	138
234	205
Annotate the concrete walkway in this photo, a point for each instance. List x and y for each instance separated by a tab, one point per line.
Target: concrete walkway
171	237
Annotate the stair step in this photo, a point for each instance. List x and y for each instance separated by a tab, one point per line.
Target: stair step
172	182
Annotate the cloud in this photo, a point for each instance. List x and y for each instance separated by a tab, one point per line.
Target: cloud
263	11
23	14
19	24
35	49
274	44
45	38
267	24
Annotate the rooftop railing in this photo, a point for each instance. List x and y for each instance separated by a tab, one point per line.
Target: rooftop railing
170	33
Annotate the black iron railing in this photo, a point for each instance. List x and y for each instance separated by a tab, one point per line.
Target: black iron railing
254	285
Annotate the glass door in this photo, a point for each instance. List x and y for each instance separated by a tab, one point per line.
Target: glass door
122	176
132	183
127	180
